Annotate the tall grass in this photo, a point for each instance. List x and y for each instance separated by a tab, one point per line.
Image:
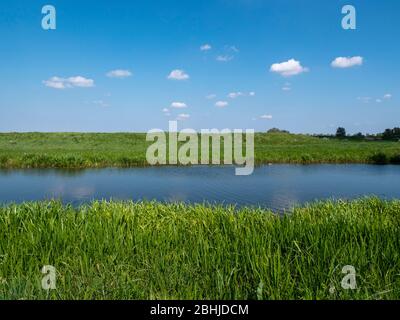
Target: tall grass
126	250
83	150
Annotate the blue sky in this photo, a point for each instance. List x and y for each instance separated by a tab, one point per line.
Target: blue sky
62	80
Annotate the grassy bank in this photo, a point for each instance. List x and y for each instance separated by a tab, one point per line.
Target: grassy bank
80	150
155	251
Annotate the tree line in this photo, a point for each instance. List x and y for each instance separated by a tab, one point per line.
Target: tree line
388	134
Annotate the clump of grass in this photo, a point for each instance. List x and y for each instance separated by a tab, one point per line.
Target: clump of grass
126	250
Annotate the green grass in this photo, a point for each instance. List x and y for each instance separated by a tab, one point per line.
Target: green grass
126	250
84	150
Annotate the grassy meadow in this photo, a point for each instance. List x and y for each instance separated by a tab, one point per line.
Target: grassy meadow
91	150
126	250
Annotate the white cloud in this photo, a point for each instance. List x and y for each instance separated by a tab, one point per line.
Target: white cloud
166	112
56	83
205	47
234	95
211	96
63	83
387	96
178	75
183	116
347	62
266	117
237	94
119	73
178	105
221	104
289	68
80	82
225	58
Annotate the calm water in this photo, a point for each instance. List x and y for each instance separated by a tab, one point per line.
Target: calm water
278	187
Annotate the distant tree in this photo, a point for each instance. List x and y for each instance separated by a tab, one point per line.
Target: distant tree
359	136
391	134
341	132
276	130
387	134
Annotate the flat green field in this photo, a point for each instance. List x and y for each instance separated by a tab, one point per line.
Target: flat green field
84	150
125	250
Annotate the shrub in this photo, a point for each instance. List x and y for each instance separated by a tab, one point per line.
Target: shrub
379	158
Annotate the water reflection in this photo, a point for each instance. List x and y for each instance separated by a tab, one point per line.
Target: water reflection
278	187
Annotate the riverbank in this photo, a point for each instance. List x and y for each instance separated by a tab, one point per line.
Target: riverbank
99	150
125	250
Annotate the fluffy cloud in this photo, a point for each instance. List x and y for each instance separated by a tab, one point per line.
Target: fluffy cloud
289	68
347	62
234	95
205	47
71	82
80	82
221	104
119	74
178	105
178	75
55	83
183	116
387	96
266	117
